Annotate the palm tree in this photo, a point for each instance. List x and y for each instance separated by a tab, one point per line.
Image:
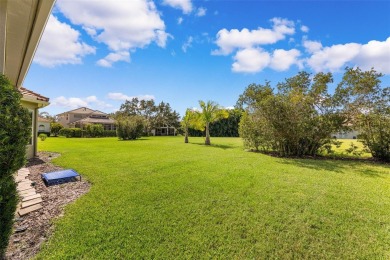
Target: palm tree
210	113
189	120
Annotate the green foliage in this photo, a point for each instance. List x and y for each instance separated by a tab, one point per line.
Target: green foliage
109	133
227	127
354	150
129	127
368	107
210	112
71	132
55	128
94	130
296	120
154	115
42	137
253	133
190	120
15	132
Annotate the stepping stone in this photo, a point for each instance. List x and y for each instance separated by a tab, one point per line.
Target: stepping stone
19	179
24	187
27	210
23	193
28	194
27	198
26	181
31	202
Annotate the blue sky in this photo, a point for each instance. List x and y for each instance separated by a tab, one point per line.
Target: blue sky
100	53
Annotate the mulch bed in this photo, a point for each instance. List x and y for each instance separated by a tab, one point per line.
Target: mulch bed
38	225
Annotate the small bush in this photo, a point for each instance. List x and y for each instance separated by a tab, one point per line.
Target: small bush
42	137
109	133
94	130
15	132
55	128
130	127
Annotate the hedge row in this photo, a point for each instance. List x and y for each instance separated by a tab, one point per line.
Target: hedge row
78	132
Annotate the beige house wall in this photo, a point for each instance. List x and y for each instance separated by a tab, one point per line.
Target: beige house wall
31	148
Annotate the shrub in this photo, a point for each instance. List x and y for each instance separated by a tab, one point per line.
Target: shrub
42	137
94	130
15	132
130	127
55	128
109	133
71	132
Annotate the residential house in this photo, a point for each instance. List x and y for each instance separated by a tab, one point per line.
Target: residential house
82	116
33	101
43	125
21	25
164	131
346	135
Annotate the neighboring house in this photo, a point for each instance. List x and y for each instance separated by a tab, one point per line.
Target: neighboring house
82	116
346	135
43	125
164	131
33	101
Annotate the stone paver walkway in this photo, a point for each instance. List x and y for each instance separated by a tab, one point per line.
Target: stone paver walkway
30	199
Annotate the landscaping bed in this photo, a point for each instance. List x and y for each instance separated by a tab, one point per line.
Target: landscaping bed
37	226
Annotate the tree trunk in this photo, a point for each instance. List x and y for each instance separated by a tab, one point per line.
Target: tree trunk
186	136
207	142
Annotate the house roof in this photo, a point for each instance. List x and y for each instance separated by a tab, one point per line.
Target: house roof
29	94
95	120
80	110
42	119
21	25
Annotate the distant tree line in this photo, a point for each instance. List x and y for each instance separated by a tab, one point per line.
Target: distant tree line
299	116
138	117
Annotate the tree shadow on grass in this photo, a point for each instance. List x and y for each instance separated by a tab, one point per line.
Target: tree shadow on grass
134	140
221	146
338	166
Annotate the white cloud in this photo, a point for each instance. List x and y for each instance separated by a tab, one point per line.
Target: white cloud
187	44
251	60
229	41
375	54
114	57
334	57
312	46
122	25
60	44
282	60
180	20
201	11
304	29
184	5
123	97
74	102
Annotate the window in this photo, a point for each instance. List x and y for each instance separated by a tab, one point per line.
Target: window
77	116
41	128
30	142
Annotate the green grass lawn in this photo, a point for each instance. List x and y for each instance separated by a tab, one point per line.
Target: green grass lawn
160	198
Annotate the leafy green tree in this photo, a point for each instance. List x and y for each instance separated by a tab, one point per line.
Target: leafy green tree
367	105
130	127
227	127
55	128
210	112
298	119
190	120
15	133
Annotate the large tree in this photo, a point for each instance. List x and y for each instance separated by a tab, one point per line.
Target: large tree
210	112
296	120
367	105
